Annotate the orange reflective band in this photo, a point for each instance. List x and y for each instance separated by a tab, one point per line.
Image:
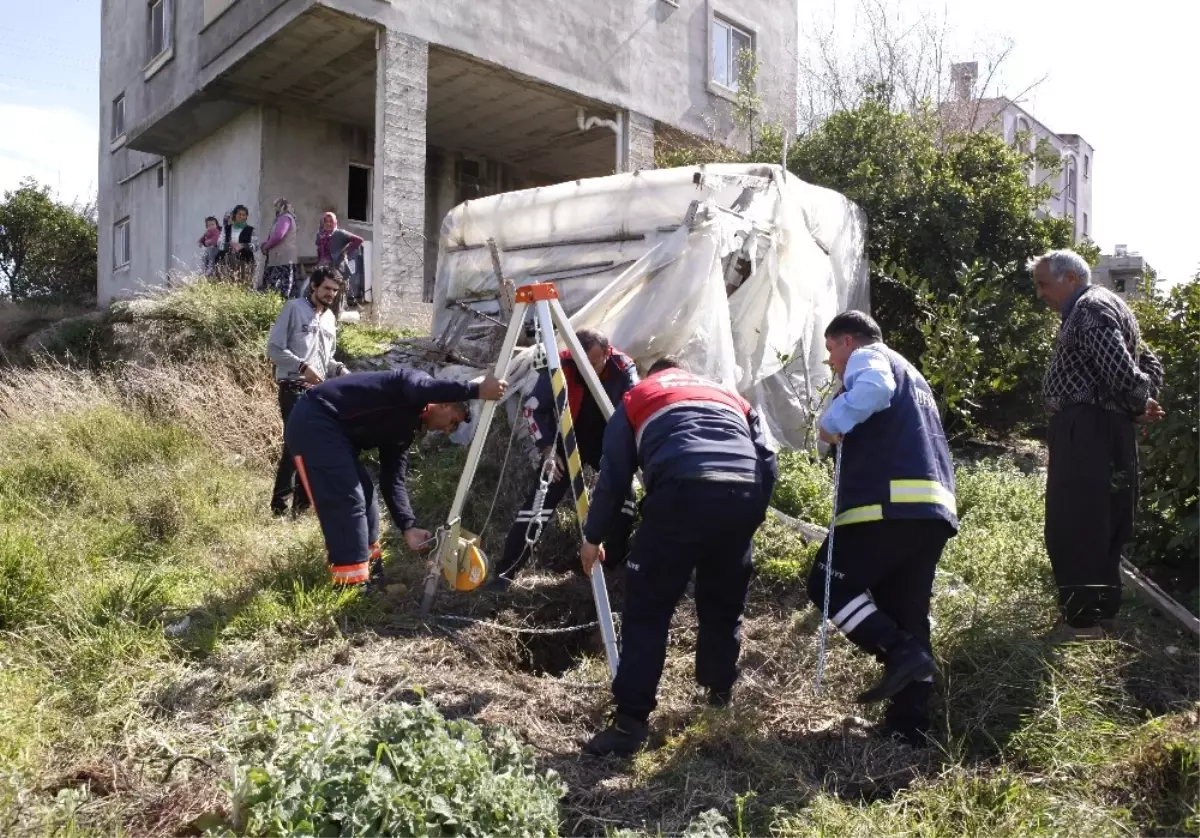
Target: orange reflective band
300	470
536	291
350	574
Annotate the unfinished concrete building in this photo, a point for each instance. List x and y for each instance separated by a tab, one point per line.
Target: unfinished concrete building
390	114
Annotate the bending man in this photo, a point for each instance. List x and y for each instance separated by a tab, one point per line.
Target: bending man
895	513
709	476
336	420
301	345
617	375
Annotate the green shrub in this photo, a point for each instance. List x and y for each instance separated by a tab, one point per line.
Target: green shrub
805	487
1169	517
363	340
324	769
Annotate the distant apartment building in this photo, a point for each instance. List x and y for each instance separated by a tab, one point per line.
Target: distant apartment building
1121	272
1071	188
391	112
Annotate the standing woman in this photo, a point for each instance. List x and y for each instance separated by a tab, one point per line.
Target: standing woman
336	246
237	246
283	269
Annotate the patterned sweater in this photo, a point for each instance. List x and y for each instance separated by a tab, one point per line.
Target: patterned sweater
1099	358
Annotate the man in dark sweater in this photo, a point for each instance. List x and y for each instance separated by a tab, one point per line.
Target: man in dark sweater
1101	381
335	420
709	476
618	375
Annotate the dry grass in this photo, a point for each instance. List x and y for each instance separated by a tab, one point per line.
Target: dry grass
135	496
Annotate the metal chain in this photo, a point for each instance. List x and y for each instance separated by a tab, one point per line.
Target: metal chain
821	646
521	631
533	532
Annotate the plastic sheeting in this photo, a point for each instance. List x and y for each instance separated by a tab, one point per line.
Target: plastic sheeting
735	269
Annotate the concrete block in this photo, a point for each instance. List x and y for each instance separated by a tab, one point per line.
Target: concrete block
640	135
401	95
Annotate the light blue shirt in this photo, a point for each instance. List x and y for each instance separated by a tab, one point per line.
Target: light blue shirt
868	386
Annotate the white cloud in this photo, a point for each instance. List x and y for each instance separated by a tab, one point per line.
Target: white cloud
56	145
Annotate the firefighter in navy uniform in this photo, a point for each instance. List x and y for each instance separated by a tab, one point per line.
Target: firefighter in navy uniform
896	511
709	476
617	374
335	420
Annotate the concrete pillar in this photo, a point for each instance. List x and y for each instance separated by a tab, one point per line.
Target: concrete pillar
639	139
401	93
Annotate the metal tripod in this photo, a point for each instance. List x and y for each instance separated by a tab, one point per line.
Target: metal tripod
543	297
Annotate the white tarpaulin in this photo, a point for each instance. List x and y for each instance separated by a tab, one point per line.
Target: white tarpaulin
736	269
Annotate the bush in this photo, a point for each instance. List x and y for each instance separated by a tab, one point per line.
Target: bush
1169	518
325	769
805	488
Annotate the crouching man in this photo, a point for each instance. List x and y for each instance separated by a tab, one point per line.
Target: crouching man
895	513
617	374
339	418
709	476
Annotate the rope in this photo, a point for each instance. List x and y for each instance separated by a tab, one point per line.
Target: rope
821	647
500	480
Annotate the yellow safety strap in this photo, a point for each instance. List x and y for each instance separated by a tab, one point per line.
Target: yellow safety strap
860	515
923	491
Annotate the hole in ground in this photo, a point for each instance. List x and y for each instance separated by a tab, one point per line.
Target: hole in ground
554	654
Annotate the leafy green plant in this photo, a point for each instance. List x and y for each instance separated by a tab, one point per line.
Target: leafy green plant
328	768
1169	518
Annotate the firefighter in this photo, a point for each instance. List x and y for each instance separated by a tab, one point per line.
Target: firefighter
617	375
895	513
708	475
335	420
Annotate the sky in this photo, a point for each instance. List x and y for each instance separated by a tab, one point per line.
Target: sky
1122	76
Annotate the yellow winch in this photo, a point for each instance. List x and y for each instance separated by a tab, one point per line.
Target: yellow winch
465	568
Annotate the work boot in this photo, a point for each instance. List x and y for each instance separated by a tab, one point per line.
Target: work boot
912	735
906	718
497	585
904	663
624	735
719	698
1064	632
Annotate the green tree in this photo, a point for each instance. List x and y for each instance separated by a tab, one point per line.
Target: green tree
953	222
47	249
1169	517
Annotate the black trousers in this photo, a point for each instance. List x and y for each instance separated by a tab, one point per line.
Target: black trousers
516	549
880	591
1091	494
287	487
686	526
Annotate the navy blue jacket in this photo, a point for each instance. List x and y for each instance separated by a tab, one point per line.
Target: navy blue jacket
677	426
383	410
618	378
896	463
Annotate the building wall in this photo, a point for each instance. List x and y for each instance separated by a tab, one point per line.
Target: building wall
308	162
211	178
650	58
646	56
1070	147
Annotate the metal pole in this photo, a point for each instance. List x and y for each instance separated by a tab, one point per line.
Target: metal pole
556	316
449	546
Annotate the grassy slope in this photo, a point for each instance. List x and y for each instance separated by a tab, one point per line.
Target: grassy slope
133	498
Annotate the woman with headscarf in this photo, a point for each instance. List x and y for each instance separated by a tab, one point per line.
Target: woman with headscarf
336	247
283	268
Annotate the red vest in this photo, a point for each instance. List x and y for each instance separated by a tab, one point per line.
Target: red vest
676	388
576	386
